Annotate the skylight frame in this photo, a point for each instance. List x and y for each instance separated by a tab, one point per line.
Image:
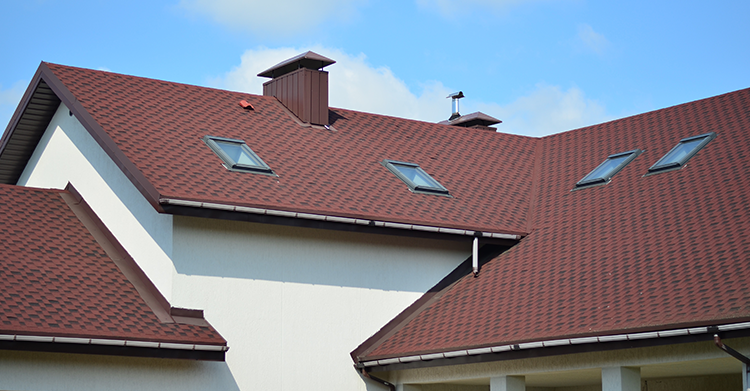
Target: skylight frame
605	177
669	163
230	163
434	186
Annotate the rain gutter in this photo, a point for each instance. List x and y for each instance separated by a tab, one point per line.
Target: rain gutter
339	219
557	343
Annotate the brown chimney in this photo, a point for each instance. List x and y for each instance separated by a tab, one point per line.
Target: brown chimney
301	85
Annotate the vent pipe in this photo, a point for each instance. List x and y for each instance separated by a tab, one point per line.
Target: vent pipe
455	97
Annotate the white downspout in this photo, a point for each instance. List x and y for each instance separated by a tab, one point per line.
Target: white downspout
475	256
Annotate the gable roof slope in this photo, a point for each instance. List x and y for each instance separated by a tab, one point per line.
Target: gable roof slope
62	292
153	129
643	253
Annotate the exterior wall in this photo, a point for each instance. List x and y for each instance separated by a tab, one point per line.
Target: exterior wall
68	153
293	302
33	371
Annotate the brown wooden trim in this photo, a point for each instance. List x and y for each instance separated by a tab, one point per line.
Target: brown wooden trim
127	265
102	138
26	127
127	351
486	253
19	110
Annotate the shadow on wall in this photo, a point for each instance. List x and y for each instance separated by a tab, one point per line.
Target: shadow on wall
220	248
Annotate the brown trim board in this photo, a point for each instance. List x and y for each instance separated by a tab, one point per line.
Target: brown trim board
101	137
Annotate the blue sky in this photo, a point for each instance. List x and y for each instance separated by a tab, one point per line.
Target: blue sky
541	66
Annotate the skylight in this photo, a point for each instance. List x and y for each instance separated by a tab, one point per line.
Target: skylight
237	156
681	153
414	177
605	171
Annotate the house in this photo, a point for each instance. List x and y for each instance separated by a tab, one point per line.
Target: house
335	249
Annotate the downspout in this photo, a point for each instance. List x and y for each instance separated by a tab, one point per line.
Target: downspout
475	256
739	356
391	386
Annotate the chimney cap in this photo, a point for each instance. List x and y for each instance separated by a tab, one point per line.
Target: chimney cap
456	95
473	119
310	60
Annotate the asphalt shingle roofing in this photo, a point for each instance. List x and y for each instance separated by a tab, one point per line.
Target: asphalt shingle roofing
641	253
159	125
57	280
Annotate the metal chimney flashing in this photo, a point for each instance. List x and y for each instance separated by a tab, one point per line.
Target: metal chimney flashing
309	60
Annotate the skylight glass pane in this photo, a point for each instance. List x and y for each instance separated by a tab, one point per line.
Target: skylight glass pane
602	172
238	154
414	177
681	153
605	171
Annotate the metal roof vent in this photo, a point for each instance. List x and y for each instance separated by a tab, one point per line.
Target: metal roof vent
455	97
301	85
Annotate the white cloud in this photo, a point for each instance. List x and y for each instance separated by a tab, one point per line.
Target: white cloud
9	99
353	84
547	110
278	17
591	39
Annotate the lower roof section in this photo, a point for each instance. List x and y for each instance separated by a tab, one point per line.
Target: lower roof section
68	285
559	347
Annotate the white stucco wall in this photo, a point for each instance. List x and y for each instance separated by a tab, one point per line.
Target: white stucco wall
293	302
34	371
68	153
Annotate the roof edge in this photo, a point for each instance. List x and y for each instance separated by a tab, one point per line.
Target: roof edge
100	136
117	347
508	235
556	347
486	254
158	304
25	100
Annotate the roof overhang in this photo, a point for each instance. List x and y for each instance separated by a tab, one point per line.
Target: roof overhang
30	121
557	347
339	223
112	347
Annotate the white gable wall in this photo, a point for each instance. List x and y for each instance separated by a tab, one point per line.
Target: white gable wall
291	302
68	153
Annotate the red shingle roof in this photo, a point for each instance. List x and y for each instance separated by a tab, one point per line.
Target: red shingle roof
58	281
640	253
159	125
